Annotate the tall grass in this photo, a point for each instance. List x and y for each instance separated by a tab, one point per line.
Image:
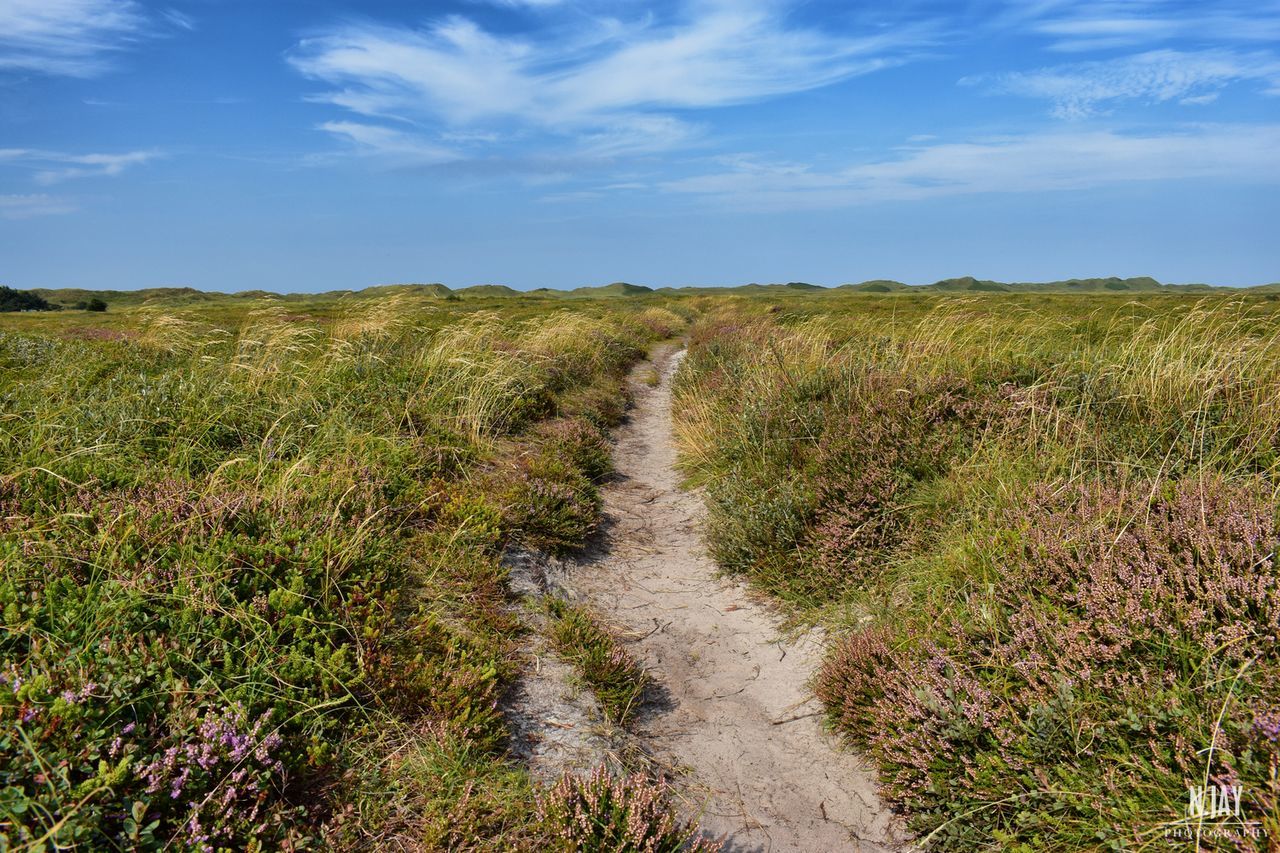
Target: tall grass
251	589
1044	533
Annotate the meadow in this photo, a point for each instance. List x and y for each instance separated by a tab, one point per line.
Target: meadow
252	589
1042	531
254	597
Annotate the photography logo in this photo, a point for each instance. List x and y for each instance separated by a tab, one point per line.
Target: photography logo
1215	812
1214	802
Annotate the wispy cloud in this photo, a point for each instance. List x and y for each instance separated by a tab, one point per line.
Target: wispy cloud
179	19
523	4
1104	24
68	37
52	167
402	149
1080	90
32	205
78	38
613	85
1016	164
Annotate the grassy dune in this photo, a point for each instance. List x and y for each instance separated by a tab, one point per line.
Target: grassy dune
251	591
1044	531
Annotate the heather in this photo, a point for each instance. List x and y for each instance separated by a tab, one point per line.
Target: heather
599	814
1042	535
252	592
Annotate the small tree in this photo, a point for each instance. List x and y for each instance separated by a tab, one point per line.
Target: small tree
22	300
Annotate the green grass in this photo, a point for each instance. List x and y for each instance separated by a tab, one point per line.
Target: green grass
613	675
252	590
252	595
1042	530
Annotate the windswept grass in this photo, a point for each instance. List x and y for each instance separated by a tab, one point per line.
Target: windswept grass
251	589
1044	531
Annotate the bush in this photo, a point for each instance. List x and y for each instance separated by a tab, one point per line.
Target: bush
577	441
1127	630
600	814
22	300
241	562
550	505
1032	666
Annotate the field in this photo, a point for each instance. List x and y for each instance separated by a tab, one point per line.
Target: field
1043	529
255	595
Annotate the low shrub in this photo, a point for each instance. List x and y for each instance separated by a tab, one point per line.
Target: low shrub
600	814
1044	533
614	676
551	506
1129	647
577	441
241	546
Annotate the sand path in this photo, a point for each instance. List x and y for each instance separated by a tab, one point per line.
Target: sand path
731	709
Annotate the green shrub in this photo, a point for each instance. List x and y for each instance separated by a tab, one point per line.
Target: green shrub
614	676
239	544
550	505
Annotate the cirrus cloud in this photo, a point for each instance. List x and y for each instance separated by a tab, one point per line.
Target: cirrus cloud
1080	90
618	86
52	167
1039	162
66	37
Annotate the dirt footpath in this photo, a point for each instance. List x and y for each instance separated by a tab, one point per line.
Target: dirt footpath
731	709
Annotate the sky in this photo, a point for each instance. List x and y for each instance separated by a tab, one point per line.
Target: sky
312	145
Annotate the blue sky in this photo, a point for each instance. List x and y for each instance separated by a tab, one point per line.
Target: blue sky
301	145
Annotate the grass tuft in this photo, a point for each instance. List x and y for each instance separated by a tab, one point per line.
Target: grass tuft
613	675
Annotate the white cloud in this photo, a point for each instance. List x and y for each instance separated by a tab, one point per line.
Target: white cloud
402	148
524	4
181	20
618	86
1103	24
36	204
51	167
68	37
1079	90
1031	163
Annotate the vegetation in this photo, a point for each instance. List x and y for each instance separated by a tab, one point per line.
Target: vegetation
252	595
615	677
1044	531
21	300
616	815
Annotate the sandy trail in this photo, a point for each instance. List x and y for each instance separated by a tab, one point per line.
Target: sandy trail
732	708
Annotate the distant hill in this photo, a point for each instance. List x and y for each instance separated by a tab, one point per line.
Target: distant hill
969	283
487	290
436	291
618	288
878	285
794	287
69	296
178	296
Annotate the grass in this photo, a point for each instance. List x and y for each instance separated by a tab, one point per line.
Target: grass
1043	531
614	676
252	595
